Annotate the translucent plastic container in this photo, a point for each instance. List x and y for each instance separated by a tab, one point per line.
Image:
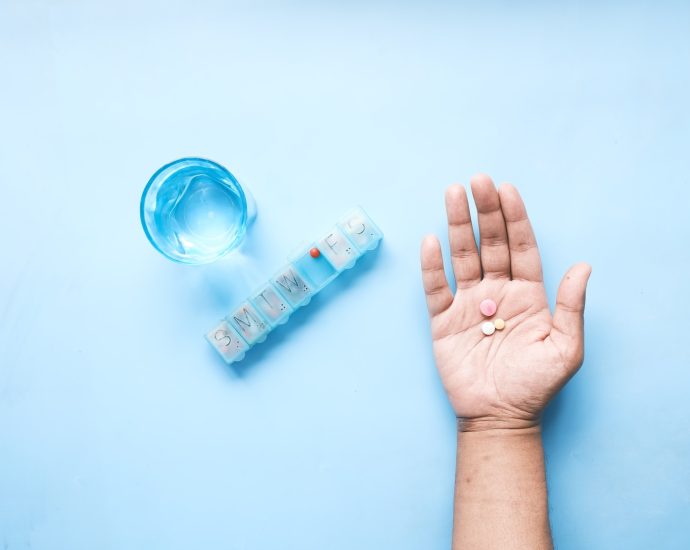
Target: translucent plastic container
194	211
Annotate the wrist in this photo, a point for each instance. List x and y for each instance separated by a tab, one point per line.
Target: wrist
499	425
508	439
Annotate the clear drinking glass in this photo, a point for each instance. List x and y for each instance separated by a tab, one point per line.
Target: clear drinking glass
194	211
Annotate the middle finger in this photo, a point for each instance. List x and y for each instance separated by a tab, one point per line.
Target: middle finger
493	237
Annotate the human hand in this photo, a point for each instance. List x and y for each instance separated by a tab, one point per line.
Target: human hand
506	379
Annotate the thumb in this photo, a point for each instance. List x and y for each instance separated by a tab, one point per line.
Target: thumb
568	318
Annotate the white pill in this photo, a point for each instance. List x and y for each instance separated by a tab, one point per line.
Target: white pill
488	328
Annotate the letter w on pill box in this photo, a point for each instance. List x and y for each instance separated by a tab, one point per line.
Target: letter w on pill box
294	284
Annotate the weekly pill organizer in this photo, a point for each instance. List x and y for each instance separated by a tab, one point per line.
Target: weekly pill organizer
293	286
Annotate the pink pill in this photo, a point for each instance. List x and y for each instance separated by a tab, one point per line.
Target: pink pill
487	307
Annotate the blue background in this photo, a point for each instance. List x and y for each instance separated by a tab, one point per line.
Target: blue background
120	428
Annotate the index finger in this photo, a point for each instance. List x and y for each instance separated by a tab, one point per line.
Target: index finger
525	262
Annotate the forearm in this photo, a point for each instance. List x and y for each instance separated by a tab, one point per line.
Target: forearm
500	491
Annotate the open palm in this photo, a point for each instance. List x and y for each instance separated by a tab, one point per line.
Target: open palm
506	379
